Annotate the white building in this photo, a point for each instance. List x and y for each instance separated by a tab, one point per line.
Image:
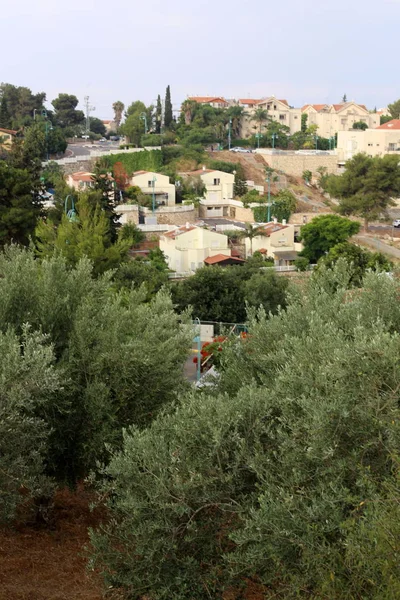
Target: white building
148	181
188	246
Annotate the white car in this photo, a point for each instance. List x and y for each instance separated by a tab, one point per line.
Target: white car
396	223
238	149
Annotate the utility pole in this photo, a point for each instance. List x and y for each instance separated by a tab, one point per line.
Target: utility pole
229	134
88	110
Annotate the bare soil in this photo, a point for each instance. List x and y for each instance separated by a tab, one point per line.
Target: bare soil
49	563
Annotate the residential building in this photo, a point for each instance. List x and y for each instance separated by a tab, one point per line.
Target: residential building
385	139
278	242
279	111
219	185
187	247
215	102
109	125
80	181
6	138
150	182
332	118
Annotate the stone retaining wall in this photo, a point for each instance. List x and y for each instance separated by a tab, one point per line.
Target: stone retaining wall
295	164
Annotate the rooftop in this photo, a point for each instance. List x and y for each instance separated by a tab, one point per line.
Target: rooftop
206	99
10	131
219	258
180	230
393	124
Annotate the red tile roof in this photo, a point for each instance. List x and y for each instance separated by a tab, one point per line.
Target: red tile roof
10	131
107	121
273	227
249	101
206	99
218	258
317	107
200	171
82	176
179	231
393	124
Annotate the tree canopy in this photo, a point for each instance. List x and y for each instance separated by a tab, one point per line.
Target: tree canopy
325	232
284	473
367	187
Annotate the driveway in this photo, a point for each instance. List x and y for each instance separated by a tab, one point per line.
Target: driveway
379	245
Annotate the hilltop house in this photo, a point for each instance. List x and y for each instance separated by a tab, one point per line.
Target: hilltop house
150	182
215	102
332	118
385	139
187	247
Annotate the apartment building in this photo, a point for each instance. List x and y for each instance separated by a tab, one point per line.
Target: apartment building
385	139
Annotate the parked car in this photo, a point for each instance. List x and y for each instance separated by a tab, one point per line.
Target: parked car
396	223
238	149
102	140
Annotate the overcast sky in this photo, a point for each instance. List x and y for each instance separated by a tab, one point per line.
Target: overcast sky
307	51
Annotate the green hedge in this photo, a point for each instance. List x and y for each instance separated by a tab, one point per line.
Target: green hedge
146	160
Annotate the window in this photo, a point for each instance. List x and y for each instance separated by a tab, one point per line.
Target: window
295	116
282	117
392	147
369	144
150	184
274	106
217	181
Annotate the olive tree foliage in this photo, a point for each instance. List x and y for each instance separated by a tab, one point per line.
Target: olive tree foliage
28	387
278	474
121	358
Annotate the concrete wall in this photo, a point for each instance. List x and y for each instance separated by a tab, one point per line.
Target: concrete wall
129	213
295	164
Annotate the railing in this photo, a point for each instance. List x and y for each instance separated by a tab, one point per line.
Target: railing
183	275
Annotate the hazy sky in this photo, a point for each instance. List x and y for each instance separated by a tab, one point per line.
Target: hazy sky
301	50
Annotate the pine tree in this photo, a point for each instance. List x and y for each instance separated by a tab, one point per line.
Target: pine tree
5	120
158	114
104	184
168	108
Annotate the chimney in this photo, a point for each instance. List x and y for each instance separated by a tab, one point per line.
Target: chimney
187	224
283	221
204	167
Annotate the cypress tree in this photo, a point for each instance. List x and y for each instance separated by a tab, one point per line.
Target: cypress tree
158	114
5	120
168	108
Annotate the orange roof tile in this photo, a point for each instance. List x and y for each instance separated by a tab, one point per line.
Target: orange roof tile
179	231
10	131
213	260
273	227
206	99
249	101
393	124
317	107
82	176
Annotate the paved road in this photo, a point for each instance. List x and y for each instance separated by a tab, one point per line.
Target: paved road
379	245
84	149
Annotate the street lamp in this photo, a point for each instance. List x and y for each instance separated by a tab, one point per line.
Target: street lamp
70	213
229	133
43	113
154	193
316	142
269	172
258	135
274	137
143	116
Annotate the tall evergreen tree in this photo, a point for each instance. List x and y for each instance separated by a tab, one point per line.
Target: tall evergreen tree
158	114
104	184
5	119
168	108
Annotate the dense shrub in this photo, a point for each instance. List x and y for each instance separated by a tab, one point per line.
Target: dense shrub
286	474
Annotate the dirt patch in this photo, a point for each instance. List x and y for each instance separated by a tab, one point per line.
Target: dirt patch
48	564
